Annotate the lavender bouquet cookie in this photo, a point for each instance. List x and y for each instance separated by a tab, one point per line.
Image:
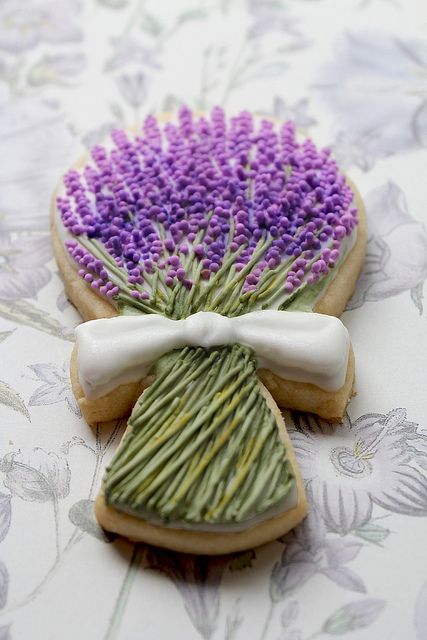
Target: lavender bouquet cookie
211	258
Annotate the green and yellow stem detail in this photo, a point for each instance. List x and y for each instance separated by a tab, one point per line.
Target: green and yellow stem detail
203	446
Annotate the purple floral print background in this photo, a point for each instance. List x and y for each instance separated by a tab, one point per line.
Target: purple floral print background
353	77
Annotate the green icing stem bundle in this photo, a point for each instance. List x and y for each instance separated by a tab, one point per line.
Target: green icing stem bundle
203	446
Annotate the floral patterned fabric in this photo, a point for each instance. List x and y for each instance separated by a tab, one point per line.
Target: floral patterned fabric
353	75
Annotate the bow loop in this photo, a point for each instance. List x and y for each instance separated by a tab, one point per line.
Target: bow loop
304	347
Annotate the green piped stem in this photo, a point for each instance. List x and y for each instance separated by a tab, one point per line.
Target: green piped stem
203	446
223	292
237	281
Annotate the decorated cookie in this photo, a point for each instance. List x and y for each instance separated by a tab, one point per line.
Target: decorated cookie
210	258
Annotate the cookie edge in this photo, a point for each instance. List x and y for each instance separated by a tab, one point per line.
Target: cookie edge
207	542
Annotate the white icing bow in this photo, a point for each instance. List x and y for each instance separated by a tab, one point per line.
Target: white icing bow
305	347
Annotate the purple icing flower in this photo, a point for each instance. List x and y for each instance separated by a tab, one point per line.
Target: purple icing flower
191	204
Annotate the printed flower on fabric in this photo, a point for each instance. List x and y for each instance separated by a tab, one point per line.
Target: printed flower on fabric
23	270
31	172
376	85
132	88
357	149
132	53
273	16
397	249
299	112
56	69
56	387
27	23
36	475
351	467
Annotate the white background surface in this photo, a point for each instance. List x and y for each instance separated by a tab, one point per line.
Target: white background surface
354	76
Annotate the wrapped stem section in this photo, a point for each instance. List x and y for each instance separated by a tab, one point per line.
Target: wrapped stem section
202	446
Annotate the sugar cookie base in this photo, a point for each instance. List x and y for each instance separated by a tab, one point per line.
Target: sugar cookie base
292	395
297	396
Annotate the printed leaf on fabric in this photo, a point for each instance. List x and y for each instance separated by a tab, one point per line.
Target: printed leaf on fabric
372	532
5	514
5	334
81	515
346	578
353	616
4	584
26	313
11	398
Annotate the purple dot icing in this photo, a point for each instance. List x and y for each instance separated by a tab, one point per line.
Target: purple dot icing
252	279
180	274
174	261
202	190
199	250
